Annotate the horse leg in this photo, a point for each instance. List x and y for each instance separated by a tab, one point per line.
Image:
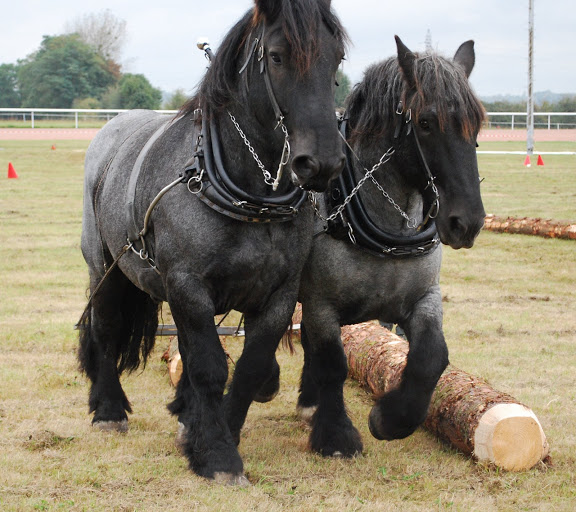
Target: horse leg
204	436
257	365
308	393
333	433
271	386
400	411
111	334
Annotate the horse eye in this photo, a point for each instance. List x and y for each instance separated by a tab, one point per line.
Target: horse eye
424	124
276	59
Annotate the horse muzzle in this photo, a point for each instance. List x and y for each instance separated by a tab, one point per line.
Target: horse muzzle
459	232
310	173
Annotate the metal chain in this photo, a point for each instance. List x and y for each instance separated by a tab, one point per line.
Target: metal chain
273	182
383	159
411	223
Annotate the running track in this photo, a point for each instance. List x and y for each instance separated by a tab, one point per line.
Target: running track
88	134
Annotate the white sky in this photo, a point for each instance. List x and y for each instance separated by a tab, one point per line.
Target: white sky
162	35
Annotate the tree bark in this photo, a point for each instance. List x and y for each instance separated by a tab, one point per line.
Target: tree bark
527	226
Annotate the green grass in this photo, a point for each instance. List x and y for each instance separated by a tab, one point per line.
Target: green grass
510	317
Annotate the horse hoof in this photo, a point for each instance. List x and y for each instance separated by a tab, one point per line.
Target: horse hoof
305	413
238	480
180	439
111	426
262	398
382	428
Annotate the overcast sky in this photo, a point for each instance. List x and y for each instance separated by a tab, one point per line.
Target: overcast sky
162	35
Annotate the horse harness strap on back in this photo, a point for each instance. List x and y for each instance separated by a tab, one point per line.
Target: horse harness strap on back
350	221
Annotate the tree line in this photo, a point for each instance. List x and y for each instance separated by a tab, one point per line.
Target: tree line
80	69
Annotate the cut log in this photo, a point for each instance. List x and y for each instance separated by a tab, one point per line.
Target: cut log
465	411
527	226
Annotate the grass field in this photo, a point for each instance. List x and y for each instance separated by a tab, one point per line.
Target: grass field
510	317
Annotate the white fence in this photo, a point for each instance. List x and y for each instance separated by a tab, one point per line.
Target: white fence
29	116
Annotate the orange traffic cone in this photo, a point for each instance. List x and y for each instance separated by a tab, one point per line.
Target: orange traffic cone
540	161
527	161
11	171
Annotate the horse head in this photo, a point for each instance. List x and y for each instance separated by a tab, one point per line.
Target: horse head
301	44
446	119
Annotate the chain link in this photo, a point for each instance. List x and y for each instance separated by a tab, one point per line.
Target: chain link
273	182
383	159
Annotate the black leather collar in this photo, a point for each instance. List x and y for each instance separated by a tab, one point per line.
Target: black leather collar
356	226
207	179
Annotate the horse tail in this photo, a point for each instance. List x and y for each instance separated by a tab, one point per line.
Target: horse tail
287	342
135	338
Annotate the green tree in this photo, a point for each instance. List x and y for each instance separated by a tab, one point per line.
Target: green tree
62	70
135	91
176	100
343	88
9	94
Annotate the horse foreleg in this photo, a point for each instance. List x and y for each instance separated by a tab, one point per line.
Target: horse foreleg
399	412
204	436
322	388
257	372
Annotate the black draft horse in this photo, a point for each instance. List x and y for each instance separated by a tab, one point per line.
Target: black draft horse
198	212
411	125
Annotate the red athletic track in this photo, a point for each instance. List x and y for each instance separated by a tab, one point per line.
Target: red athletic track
87	134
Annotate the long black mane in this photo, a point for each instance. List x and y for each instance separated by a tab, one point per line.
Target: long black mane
301	20
440	82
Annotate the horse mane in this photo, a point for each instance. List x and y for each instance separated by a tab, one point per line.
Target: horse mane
439	81
301	20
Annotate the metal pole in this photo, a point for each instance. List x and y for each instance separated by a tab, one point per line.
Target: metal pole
530	110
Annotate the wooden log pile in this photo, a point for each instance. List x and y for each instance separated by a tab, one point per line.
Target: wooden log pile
465	411
528	226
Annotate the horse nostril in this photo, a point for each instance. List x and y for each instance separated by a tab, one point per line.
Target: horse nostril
305	166
457	226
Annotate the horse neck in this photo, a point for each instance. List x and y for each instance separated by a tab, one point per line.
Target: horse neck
394	177
239	163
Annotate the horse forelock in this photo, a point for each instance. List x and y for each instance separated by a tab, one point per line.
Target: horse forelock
442	83
301	22
439	82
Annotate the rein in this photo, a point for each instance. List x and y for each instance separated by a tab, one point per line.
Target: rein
350	218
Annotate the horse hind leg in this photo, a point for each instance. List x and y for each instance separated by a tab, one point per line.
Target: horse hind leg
333	433
307	393
116	334
400	411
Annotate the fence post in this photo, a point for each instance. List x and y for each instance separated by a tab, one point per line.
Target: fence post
32	117
512	124
76	119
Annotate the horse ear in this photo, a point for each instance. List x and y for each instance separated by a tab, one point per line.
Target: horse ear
268	9
406	60
465	56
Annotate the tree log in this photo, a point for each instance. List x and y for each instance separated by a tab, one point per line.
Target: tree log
527	226
465	411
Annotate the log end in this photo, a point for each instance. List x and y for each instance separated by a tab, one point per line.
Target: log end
511	437
175	368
